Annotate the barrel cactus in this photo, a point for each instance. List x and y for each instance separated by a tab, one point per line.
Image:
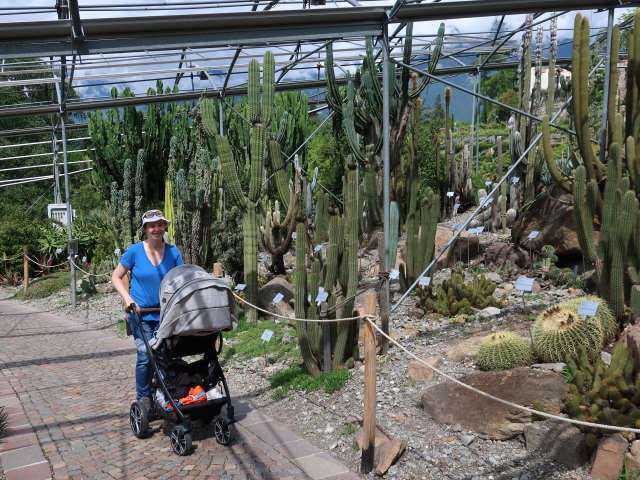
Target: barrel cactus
560	331
504	350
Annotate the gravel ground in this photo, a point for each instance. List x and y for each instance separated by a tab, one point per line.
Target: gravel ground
434	451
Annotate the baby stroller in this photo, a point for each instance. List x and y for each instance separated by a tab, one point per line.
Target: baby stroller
194	309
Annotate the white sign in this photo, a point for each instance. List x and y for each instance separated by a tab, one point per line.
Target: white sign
58	250
266	336
524	284
364	214
320	289
488	183
294	235
456	227
277	299
317	248
84	259
424	281
533	234
117	251
241	286
394	274
308	298
588	309
515	179
487	201
456	206
322	297
475	231
450	194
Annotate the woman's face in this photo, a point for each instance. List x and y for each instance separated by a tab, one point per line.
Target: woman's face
155	229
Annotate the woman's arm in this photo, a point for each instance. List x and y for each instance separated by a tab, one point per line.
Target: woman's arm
117	279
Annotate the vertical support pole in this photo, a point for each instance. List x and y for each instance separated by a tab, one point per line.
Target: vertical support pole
56	172
478	106
369	417
25	264
386	193
605	97
220	116
67	193
473	118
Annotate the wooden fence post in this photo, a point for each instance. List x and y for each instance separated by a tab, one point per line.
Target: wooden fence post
369	417
217	270
25	262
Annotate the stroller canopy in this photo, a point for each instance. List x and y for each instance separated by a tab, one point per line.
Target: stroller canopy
193	303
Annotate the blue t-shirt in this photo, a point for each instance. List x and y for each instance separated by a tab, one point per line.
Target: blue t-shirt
146	278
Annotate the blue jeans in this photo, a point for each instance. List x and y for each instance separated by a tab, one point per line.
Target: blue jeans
144	370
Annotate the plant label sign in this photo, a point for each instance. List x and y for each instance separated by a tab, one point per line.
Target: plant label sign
117	251
394	274
515	179
478	230
450	194
317	248
294	235
456	206
524	284
533	234
424	281
266	335
277	299
588	309
364	214
487	201
58	250
322	297
488	183
84	259
241	286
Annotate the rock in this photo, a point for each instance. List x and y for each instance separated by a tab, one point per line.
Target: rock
379	439
494	277
630	338
498	253
105	288
609	457
386	454
550	367
467	439
267	293
632	460
466	349
535	288
466	246
421	373
450	403
289	261
606	358
559	441
488	312
554	220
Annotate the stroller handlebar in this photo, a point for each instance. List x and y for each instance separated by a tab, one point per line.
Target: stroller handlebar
131	308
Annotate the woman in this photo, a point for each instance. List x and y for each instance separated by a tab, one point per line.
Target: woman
148	261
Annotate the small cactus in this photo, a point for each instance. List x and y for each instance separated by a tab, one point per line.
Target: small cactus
504	350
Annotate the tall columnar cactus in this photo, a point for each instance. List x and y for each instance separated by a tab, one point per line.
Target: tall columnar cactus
605	194
260	115
336	273
362	112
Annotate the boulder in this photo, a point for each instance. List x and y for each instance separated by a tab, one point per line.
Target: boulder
386	450
267	293
420	372
497	254
630	338
465	246
632	460
554	220
451	403
465	349
609	457
559	441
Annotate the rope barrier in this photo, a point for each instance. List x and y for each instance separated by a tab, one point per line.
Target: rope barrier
332	320
500	400
89	273
45	266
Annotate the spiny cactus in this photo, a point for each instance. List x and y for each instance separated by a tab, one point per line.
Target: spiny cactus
504	350
609	395
559	330
454	296
260	115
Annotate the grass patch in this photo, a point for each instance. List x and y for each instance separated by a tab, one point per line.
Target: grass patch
246	341
46	286
122	327
296	378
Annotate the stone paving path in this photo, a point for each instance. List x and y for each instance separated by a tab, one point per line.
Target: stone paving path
67	390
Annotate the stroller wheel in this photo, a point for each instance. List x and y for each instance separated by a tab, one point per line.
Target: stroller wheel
139	419
224	431
180	440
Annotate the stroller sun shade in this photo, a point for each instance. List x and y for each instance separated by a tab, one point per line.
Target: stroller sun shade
193	303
